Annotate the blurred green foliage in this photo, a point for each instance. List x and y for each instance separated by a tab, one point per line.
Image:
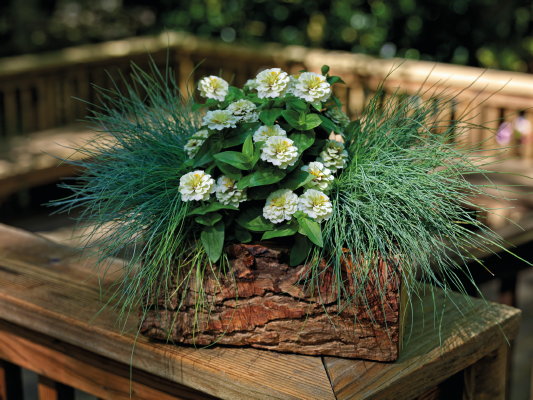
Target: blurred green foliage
472	32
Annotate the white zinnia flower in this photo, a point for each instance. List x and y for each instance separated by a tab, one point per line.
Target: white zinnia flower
280	206
213	87
272	83
333	155
227	192
220	119
338	117
244	110
279	151
315	204
264	132
193	145
196	185
293	81
322	176
251	84
312	87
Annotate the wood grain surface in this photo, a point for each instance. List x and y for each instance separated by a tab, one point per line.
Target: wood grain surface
43	289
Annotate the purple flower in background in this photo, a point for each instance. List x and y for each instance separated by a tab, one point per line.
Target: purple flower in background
505	134
523	127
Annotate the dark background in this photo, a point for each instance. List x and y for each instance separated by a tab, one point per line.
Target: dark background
486	33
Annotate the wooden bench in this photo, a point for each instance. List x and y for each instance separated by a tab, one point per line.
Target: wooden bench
47	306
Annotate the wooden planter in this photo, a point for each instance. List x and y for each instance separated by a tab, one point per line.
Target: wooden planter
270	310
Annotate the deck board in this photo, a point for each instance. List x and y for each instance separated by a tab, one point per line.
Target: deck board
46	294
44	288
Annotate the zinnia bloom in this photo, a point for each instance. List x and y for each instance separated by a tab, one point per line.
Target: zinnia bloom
333	155
279	151
227	192
244	110
213	87
322	176
312	87
315	204
250	84
193	145
196	185
264	132
280	206
220	119
272	83
338	117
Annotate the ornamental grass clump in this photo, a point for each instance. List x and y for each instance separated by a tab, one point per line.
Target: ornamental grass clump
171	179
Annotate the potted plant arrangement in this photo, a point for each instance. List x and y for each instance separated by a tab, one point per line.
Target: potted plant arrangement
265	217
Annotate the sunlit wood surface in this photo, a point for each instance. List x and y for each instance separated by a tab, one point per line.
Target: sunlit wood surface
47	306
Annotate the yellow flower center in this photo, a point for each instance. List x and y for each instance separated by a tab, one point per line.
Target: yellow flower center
196	180
272	78
282	146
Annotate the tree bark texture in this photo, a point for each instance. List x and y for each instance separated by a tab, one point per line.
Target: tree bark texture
265	303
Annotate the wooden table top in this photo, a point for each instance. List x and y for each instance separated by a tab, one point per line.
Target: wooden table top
44	288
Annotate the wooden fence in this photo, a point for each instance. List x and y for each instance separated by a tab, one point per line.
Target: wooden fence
36	90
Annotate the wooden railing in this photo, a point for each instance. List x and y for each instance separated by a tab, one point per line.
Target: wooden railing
36	90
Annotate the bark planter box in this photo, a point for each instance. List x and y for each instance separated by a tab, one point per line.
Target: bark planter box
270	310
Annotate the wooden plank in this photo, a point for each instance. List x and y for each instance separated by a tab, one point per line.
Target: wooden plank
48	389
10	381
42	290
423	362
486	378
59	363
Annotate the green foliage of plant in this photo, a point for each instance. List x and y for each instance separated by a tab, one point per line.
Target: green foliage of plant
400	194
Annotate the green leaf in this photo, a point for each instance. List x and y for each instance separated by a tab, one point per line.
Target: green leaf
213	240
312	121
229	170
303	140
210	208
209	219
296	179
227	218
329	125
207	151
260	192
337	102
318	106
257	152
300	250
189	163
244	182
197	106
238	135
236	159
266	176
248	147
284	230
297	104
335	79
292	118
269	117
317	147
253	220
237	93
242	235
312	229
219	206
324	70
